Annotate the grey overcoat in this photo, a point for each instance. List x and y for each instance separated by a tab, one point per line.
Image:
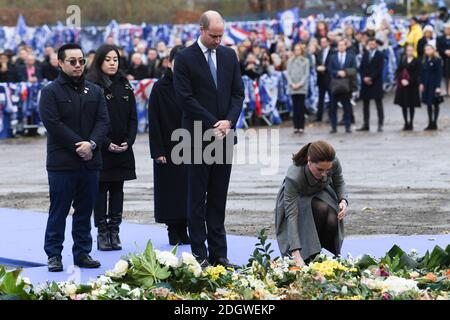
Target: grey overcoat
294	221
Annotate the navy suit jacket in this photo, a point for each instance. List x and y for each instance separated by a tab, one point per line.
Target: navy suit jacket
334	65
196	92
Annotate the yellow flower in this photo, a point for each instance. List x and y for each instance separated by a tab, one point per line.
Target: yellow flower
215	272
349	298
328	267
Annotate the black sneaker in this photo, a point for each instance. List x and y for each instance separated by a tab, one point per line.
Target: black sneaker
363	128
87	262
55	264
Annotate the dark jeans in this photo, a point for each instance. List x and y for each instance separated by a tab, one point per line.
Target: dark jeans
321	104
345	100
71	188
298	117
108	214
207	196
366	110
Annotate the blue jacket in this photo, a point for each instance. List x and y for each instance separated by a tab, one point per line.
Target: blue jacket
70	115
431	78
334	65
196	92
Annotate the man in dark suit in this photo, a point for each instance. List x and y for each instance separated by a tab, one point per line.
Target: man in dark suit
342	65
74	113
323	75
210	91
371	71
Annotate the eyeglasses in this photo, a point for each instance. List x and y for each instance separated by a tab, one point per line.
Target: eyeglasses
73	62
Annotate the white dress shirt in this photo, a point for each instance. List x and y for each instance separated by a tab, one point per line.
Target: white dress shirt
341	57
325	55
205	52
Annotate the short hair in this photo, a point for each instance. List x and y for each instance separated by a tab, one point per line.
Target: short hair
372	39
204	21
67	46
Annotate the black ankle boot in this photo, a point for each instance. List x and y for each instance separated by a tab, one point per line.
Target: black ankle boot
172	233
429	127
103	240
435	127
182	234
115	241
115	219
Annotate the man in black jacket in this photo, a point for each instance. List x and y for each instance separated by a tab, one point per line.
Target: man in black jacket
371	71
74	113
323	76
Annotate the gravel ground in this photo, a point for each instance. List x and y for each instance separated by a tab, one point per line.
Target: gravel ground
398	182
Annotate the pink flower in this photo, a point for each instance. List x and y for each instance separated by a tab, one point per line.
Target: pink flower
386	296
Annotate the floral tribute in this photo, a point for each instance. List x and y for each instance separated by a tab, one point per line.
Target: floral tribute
158	275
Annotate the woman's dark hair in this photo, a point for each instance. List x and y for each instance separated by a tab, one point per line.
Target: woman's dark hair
175	50
316	151
95	73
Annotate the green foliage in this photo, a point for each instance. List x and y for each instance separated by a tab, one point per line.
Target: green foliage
396	259
146	270
262	251
439	258
10	287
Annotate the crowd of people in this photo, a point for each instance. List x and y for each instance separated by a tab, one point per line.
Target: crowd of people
309	66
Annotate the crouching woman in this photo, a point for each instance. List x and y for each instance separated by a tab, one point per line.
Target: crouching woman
311	204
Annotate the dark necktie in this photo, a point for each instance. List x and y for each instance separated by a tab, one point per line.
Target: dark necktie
212	67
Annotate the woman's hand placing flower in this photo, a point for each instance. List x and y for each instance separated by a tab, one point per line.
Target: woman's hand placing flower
343	208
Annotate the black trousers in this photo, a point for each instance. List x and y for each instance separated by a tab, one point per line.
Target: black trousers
79	190
298	117
108	210
366	111
207	196
321	104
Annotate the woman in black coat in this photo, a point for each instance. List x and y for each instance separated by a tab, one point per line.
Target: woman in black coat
430	84
117	152
407	94
170	180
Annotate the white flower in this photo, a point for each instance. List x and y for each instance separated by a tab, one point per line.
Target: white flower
124	286
70	289
344	290
120	269
372	284
136	293
398	285
192	263
394	285
188	259
94	293
102	280
196	270
27	281
167	259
